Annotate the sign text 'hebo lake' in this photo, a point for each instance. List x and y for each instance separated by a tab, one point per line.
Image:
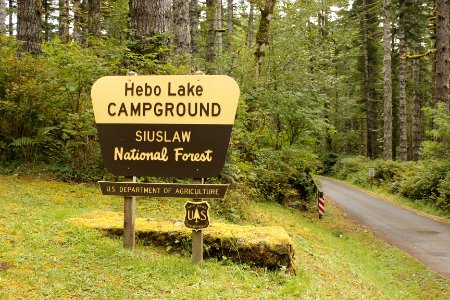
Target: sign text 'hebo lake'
167	126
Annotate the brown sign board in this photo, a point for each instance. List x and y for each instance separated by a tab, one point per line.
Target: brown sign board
165	126
197	215
169	190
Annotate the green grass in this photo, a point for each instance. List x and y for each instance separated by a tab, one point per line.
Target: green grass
43	255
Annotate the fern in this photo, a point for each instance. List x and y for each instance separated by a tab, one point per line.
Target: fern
24	141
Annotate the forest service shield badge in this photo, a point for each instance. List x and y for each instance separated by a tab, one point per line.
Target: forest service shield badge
197	215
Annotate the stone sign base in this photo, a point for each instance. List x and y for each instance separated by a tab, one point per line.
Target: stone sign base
267	247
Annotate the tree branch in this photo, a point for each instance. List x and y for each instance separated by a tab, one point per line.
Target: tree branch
419	55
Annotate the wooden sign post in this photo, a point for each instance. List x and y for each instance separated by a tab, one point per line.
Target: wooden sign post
197	236
129	212
129	219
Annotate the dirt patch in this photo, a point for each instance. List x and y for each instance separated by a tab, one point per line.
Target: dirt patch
4	265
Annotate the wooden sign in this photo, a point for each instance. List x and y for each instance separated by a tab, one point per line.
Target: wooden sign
197	215
371	172
171	190
165	126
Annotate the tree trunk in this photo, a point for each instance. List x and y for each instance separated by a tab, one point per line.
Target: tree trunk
181	28
262	37
230	18
46	25
251	25
29	24
417	117
94	18
219	35
77	21
194	15
402	84
2	17
211	8
367	100
149	24
387	84
442	55
10	17
148	18
64	21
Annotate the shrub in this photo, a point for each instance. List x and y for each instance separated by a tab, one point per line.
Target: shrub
429	183
427	180
282	175
329	162
353	169
443	199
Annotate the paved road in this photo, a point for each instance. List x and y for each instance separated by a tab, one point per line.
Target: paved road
425	239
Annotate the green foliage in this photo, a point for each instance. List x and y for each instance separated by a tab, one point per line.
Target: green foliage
80	151
279	122
281	175
425	181
235	206
430	182
45	106
26	109
439	147
328	163
353	169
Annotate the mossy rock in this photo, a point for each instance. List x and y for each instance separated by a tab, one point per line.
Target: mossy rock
269	246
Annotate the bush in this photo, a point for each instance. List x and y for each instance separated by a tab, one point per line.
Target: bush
443	199
391	174
429	183
282	175
353	169
427	180
45	107
329	162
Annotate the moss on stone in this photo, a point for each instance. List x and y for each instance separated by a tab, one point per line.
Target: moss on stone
268	246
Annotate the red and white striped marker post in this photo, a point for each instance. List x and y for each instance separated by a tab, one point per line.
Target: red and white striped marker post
321	204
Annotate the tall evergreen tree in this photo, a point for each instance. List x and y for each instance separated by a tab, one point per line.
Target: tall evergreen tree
417	105
2	17
442	52
417	36
262	37
29	24
210	23
149	21
181	26
64	21
387	83
194	15
251	24
219	31
370	68
94	18
230	20
149	17
402	81
10	17
77	21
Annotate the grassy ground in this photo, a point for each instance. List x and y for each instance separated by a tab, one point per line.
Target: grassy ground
43	256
